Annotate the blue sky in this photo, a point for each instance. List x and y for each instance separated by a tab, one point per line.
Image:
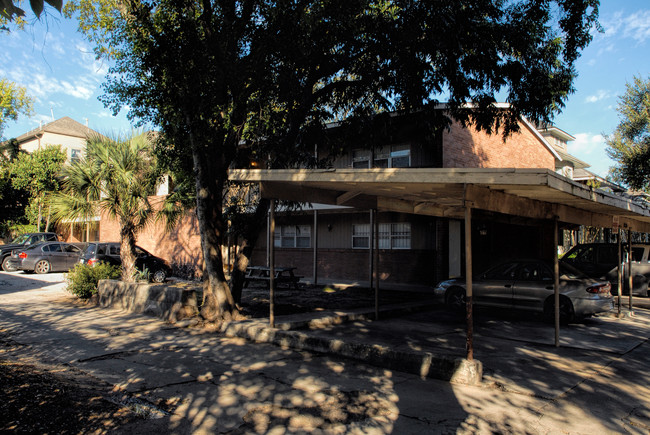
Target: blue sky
59	70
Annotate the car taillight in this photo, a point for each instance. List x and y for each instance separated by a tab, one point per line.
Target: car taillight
600	288
22	255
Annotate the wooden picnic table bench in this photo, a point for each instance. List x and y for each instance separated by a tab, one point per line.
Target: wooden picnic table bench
283	275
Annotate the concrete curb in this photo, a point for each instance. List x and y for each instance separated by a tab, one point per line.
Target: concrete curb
424	364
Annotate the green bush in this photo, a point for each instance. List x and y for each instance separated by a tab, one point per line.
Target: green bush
83	279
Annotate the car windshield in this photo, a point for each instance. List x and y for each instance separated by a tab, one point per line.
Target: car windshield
20	239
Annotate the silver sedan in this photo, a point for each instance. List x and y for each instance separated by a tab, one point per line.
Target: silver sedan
46	257
528	285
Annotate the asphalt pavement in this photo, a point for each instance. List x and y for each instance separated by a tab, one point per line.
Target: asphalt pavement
597	381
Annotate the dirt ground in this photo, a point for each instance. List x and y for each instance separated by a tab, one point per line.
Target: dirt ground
55	399
49	399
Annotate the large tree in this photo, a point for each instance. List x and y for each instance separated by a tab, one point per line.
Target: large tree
219	77
14	102
37	174
629	144
116	176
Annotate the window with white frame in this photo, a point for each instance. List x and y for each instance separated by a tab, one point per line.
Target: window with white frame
293	236
393	156
361	236
361	159
391	236
75	155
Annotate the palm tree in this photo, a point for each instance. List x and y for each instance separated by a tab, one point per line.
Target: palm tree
116	176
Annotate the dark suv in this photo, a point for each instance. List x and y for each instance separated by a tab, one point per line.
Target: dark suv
23	241
600	260
110	253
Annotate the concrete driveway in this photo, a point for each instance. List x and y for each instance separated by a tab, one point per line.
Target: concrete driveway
597	382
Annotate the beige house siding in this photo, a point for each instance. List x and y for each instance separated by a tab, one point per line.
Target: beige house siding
67	143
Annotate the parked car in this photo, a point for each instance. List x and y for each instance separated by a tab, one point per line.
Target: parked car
45	257
529	285
109	252
22	241
600	261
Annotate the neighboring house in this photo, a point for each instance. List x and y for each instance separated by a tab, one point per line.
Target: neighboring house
71	136
66	132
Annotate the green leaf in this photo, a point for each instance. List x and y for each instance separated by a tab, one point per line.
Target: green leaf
56	4
37	7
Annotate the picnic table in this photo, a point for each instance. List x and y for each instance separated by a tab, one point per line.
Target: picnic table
282	275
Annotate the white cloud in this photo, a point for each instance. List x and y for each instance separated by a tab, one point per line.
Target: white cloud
590	148
599	96
634	26
43	86
586	143
638	26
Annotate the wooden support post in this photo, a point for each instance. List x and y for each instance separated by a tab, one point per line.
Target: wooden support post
371	254
630	276
619	288
556	283
376	261
269	240
315	247
272	263
468	280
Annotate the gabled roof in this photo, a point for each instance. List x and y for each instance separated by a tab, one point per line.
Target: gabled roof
577	163
64	126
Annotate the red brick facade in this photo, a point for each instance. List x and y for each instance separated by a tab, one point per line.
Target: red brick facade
468	148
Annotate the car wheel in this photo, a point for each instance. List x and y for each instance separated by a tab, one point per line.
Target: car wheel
159	275
567	313
5	264
456	299
43	266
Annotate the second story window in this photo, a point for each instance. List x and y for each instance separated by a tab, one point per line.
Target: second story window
392	156
361	159
75	155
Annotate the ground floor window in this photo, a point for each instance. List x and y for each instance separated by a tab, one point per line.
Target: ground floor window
293	236
391	236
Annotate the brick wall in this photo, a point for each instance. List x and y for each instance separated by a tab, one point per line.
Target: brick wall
181	245
468	148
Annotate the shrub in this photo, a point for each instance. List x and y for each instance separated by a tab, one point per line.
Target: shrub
185	271
83	279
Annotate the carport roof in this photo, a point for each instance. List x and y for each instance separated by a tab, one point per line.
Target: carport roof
444	192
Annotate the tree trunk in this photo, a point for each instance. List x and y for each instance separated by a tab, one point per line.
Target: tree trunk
210	176
248	241
40	216
49	215
218	303
127	252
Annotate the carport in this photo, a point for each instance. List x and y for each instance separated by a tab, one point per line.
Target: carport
538	194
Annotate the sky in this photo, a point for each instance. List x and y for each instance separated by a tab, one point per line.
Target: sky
58	68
